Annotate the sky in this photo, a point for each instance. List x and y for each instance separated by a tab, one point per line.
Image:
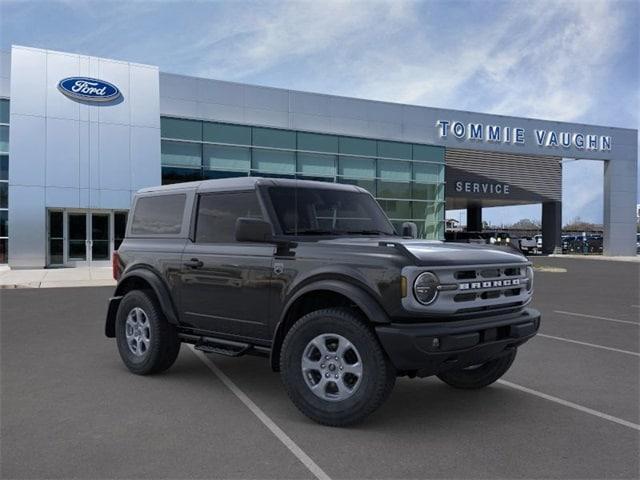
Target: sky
558	60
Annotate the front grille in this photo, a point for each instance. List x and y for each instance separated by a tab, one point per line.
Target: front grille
475	289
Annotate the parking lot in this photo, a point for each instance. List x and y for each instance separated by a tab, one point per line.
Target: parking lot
568	408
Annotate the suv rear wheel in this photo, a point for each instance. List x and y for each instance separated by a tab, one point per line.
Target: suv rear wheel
333	367
479	376
146	341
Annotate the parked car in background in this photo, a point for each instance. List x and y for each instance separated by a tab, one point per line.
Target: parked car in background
485	237
582	244
528	245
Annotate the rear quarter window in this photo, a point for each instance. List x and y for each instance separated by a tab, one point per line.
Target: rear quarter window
158	215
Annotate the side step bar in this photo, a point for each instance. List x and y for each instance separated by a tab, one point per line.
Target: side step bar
222	346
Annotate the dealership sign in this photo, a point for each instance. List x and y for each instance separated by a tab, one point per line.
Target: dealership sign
88	89
478	132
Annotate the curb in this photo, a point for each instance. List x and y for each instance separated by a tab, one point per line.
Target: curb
60	284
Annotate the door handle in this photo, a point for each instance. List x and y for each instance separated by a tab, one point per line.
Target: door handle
194	263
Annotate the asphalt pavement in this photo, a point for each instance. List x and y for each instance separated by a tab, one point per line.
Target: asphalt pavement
569	407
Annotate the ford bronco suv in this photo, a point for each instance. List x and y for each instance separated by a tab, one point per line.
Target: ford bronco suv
313	276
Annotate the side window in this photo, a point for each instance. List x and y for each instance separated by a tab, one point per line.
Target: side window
158	215
218	212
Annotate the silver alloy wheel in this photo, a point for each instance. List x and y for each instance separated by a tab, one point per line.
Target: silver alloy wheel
332	367
138	331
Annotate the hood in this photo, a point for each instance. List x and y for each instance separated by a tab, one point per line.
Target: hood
436	253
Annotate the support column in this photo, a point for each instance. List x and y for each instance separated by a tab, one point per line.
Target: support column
620	198
551	227
474	218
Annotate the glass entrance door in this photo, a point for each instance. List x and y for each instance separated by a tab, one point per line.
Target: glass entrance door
83	238
100	237
77	236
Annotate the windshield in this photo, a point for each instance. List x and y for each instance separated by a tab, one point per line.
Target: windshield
319	211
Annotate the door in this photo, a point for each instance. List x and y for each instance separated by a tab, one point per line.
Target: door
81	238
77	240
100	237
225	285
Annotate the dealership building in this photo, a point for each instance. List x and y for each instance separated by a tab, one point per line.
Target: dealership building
79	135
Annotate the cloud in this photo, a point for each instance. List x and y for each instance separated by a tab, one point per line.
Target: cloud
569	60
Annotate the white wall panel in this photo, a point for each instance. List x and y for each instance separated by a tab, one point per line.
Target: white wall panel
62	197
178	107
5	64
350	126
84	160
94	155
223	113
385	129
384	112
28	81
266	98
5	87
179	87
62	167
27	140
223	93
5	73
341	107
303	121
145	155
310	103
144	97
271	118
115	160
83	199
27	247
111	199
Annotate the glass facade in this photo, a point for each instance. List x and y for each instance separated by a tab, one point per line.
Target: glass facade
407	179
4	181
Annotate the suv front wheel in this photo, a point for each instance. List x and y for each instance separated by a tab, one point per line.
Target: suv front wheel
333	367
146	341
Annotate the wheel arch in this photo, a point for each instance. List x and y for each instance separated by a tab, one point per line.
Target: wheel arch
323	294
142	278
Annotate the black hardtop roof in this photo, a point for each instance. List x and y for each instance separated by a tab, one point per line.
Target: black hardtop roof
247	183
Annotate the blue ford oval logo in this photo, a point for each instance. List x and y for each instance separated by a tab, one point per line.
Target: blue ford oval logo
89	89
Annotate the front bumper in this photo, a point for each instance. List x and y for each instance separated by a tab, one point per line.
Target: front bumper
430	348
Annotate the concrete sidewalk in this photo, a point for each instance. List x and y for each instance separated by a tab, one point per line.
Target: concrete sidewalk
57	277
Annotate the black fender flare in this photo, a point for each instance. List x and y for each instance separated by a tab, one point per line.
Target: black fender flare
159	288
357	294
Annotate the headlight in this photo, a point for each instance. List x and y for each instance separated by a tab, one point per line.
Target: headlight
425	288
492	240
529	279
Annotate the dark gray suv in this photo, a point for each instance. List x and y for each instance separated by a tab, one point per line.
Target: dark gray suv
313	276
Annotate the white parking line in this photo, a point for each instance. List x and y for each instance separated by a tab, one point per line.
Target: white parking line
596	317
264	418
589	344
575	406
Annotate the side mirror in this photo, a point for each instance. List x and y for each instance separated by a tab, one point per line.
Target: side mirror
253	230
409	229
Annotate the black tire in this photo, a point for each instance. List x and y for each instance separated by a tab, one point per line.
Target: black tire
375	383
479	376
163	343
